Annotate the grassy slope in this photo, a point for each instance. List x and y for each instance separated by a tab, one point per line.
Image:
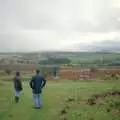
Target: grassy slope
54	97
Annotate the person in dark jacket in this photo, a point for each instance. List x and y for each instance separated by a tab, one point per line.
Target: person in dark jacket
17	86
37	83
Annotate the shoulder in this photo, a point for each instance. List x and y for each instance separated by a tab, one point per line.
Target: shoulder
33	77
15	78
41	76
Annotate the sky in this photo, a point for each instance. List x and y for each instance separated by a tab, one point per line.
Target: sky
43	25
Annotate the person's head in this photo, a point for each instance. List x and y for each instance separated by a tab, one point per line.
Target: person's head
37	71
17	73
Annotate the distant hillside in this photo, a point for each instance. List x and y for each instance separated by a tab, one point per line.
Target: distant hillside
108	46
105	46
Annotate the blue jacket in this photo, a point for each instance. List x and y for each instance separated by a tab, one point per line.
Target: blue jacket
37	83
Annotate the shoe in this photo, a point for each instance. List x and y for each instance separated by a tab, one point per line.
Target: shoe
36	107
16	99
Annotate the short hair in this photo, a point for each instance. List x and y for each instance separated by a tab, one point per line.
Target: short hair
37	71
17	73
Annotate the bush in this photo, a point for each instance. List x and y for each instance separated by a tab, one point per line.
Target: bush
8	72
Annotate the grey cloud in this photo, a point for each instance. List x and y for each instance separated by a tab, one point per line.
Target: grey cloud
79	15
24	21
27	41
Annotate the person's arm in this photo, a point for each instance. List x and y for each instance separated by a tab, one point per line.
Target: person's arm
31	82
21	86
43	82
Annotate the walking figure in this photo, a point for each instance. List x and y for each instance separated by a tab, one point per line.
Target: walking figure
17	86
37	83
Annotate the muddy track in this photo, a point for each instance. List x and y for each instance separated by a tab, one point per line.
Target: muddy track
93	99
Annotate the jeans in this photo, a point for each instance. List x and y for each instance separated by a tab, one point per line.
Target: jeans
17	93
37	100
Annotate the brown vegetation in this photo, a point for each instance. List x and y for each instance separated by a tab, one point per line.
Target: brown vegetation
73	73
93	99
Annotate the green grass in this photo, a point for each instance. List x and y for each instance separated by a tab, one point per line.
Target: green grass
55	99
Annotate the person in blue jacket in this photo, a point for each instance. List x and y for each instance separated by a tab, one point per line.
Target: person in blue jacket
37	83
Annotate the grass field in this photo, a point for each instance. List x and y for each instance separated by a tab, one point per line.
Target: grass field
64	100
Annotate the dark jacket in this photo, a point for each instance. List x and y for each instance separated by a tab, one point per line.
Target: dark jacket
37	83
17	83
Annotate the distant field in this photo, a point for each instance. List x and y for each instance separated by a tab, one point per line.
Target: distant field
86	59
92	59
64	100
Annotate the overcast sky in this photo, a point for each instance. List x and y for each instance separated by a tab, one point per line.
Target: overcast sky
36	25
